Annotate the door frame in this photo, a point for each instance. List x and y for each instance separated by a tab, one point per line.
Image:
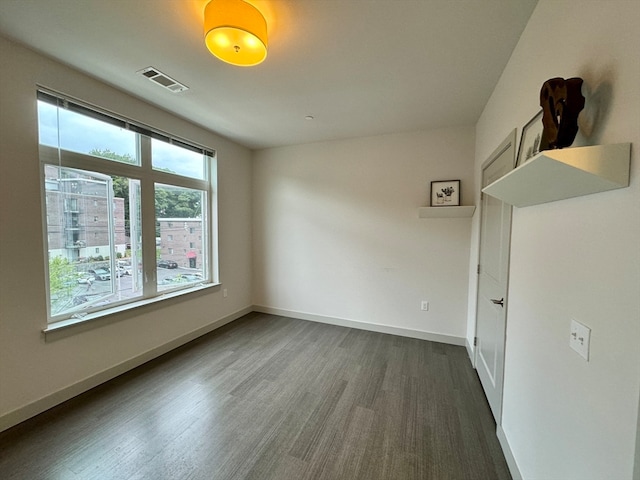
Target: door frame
511	139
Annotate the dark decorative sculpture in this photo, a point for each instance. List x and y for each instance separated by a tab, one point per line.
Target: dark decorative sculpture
561	101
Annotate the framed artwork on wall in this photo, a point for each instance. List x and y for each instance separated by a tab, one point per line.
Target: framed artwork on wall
445	193
530	140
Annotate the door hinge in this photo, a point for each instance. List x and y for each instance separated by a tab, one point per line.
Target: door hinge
475	341
478	269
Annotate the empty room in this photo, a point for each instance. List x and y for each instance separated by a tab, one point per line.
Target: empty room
320	239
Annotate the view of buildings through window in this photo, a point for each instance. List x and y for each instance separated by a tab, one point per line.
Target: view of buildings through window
78	214
94	188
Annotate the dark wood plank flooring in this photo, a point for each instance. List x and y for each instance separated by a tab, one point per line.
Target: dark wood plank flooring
269	397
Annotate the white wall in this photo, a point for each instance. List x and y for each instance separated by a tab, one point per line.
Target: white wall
32	370
565	418
337	233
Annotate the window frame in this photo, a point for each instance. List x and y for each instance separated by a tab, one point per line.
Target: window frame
148	177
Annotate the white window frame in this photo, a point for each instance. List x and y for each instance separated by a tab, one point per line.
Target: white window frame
148	177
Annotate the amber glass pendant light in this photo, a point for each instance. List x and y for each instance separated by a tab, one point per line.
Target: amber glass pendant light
235	32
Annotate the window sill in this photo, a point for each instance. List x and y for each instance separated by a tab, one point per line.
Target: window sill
92	320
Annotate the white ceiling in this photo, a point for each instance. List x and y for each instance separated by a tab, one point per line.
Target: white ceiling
359	67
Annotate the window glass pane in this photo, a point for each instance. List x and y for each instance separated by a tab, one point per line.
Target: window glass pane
179	230
88	232
93	219
175	159
132	261
48	124
79	133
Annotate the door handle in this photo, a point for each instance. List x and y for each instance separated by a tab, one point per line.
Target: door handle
498	302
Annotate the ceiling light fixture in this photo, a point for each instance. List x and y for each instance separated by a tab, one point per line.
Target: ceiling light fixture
235	32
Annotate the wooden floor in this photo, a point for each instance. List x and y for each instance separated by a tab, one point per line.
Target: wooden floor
269	397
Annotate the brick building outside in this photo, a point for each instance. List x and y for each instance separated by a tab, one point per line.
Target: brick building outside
78	217
181	241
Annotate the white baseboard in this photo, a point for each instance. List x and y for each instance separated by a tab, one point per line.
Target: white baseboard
374	327
508	454
32	409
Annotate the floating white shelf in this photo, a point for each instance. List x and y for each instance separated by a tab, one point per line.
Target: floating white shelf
446	212
559	174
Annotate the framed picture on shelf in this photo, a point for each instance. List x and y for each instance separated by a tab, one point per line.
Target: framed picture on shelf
530	140
445	193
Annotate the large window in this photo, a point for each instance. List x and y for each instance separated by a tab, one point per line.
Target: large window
127	211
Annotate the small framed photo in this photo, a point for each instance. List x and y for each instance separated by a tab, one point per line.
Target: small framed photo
445	193
530	140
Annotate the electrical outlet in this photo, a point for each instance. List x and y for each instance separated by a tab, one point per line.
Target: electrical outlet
580	338
424	306
224	292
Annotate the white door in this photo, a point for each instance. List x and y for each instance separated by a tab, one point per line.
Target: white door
491	315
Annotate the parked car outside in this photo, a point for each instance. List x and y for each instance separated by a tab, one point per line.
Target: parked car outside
100	274
120	271
124	267
167	264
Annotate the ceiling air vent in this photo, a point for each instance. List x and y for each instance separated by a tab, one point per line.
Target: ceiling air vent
163	80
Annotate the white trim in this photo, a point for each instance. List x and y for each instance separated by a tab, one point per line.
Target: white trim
508	454
508	143
32	409
373	327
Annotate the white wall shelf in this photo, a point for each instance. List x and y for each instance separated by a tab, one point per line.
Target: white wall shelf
559	174
446	212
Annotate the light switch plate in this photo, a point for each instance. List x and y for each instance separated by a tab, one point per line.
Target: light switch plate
580	338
